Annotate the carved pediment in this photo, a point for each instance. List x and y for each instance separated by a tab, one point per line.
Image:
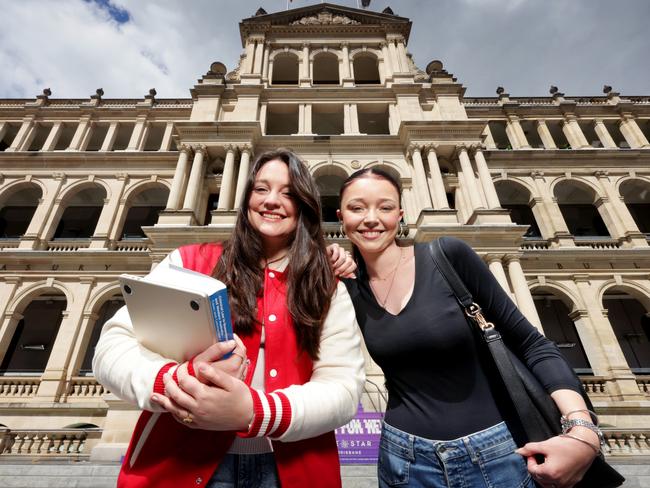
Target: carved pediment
325	17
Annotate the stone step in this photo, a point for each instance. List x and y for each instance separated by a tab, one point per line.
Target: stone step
87	475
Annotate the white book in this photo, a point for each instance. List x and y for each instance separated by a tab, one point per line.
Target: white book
177	312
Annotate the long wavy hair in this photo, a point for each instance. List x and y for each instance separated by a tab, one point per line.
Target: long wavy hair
310	279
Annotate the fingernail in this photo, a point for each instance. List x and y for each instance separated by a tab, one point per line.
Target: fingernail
154	398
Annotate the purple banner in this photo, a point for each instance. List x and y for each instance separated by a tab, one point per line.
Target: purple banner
358	440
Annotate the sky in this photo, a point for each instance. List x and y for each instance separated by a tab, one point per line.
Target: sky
127	47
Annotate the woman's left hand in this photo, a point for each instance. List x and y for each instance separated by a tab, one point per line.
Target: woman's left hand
565	461
341	261
224	403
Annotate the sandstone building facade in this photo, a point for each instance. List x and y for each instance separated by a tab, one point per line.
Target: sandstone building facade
553	192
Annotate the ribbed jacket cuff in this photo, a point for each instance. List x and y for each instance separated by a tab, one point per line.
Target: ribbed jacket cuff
271	415
159	384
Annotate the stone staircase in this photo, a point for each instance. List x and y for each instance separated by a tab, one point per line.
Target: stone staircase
17	474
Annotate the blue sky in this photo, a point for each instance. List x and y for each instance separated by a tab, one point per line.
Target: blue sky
127	47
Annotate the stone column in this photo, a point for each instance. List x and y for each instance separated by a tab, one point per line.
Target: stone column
388	68
350	119
37	229
516	134
403	58
259	54
109	140
601	344
179	182
242	177
304	67
166	143
615	213
603	134
345	72
469	179
265	60
53	383
80	138
552	219
545	135
7	330
573	133
52	137
307	127
632	133
139	135
263	110
107	218
408	200
250	54
4	126
195	183
26	128
522	292
486	179
226	179
496	267
420	177
394	59
438	185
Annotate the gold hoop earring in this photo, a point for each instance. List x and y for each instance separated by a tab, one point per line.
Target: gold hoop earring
341	230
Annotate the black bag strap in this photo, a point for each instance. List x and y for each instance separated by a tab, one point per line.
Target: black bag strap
526	411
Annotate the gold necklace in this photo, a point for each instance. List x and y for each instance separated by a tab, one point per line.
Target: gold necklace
390	287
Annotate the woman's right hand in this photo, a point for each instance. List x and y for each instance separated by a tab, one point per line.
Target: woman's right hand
236	365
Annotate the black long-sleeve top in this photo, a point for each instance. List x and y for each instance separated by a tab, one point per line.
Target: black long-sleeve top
440	384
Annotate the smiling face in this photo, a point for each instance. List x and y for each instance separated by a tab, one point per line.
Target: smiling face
370	213
272	210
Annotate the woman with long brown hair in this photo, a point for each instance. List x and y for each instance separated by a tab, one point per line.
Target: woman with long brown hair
218	423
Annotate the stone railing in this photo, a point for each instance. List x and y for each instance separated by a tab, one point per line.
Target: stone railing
594	385
376	396
18	387
534	244
644	384
605	243
84	388
68	245
67	443
9	244
332	230
135	245
627	442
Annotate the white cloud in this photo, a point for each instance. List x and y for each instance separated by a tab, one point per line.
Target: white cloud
74	47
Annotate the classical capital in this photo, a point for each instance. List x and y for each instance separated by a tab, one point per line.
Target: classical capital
245	148
512	258
412	148
427	148
601	173
185	148
230	148
344	44
491	257
201	148
463	147
383	44
537	174
305	45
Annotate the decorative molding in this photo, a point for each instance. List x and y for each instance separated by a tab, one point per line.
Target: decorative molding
326	17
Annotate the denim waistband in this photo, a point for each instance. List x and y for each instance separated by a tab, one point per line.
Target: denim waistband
487	443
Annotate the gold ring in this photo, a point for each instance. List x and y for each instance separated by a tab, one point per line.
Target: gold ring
188	420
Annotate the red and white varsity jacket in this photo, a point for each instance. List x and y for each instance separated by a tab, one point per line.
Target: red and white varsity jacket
303	401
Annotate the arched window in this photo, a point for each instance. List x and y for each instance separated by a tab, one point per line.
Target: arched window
326	69
559	327
106	311
81	214
143	212
33	338
366	69
516	198
636	195
576	203
285	69
17	212
329	186
631	323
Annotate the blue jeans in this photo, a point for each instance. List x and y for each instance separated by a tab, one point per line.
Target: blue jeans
246	471
484	459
